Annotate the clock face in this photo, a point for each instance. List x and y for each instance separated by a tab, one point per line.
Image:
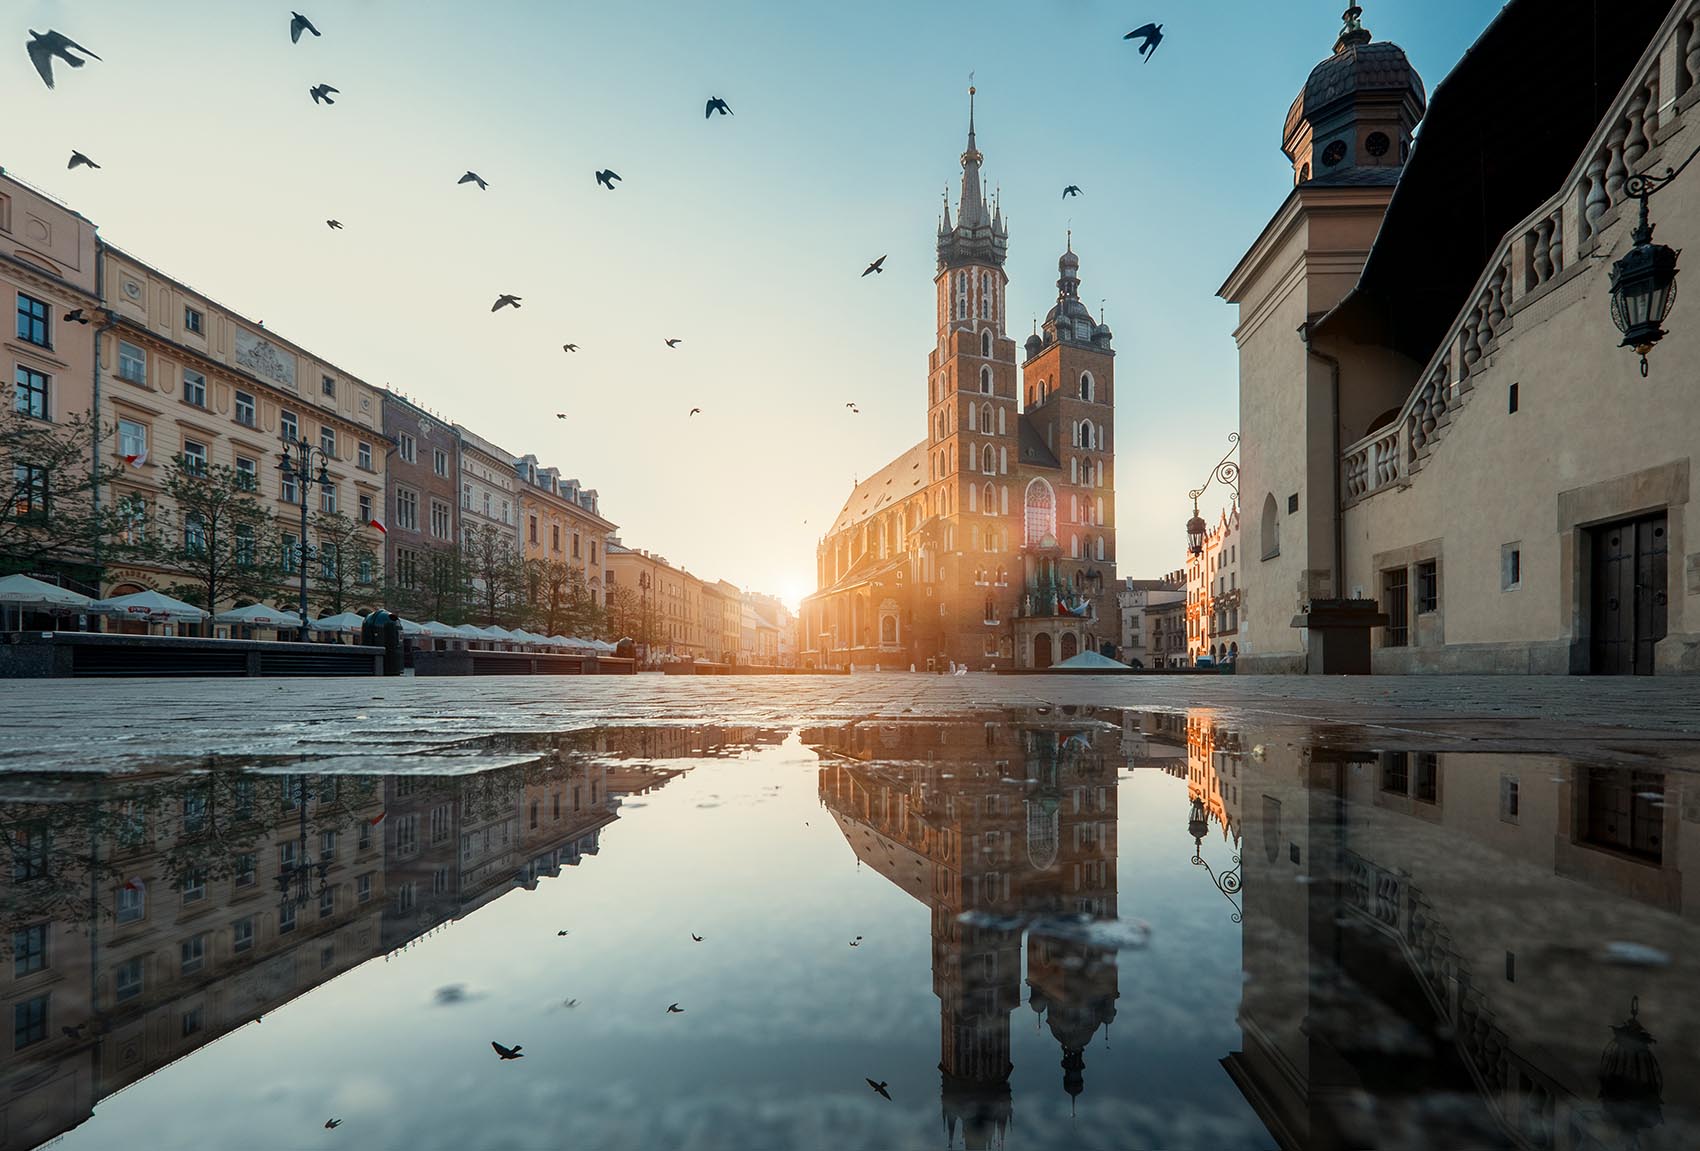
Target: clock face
1377	144
1334	153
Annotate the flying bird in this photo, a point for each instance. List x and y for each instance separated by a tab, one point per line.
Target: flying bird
693	412
505	301
569	347
696	937
558	933
76	316
43	46
334	225
1071	190
299	24
854	409
78	158
560	416
474	178
331	1124
606	178
880	1088
675	1009
716	104
321	93
675	342
1151	34
877	266
507	1052
569	1004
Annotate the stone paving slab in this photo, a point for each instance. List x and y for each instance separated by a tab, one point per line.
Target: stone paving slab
128	724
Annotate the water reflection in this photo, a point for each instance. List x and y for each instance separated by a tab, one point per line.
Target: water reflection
1435	948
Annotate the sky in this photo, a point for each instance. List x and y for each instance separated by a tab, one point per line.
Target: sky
744	236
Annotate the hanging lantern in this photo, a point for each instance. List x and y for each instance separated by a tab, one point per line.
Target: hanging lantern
1643	281
1195	528
1631	1084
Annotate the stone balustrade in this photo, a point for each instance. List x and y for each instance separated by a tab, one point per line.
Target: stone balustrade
1539	254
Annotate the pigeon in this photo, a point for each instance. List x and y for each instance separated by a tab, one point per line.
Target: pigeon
1071	190
569	347
558	933
334	225
321	93
696	937
569	1004
880	1088
78	158
474	178
299	24
693	412
43	46
876	266
716	104
507	1052
856	942
854	409
606	178
505	301
673	343
675	1009
1151	35
560	416
330	1124
76	316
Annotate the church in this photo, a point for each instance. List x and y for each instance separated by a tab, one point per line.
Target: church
990	543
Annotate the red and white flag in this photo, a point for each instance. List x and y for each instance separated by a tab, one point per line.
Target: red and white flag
375	522
134	883
377	819
138	459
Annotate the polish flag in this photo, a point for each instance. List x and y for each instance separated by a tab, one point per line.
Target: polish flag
374	522
377	819
134	883
138	459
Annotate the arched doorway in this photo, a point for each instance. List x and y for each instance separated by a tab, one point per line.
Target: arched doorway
1070	645
1042	649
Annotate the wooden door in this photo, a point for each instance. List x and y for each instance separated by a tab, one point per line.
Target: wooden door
1630	561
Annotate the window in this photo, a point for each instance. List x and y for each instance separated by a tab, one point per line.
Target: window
986	344
285	918
1511	399
245	870
192	1020
363	455
466	496
132	438
29	950
29	394
132	363
407	835
132	903
363	573
194	388
327	441
507	512
327	846
575	545
245	547
291	552
29	1019
406	567
32	320
365	505
1041	515
195	812
327	386
1511	566
286	489
193	321
193	953
327	499
1293	503
364	840
194	886
531	529
194	458
440	817
288	427
404	897
1270	528
1425	776
327	563
1510	799
555	537
247	474
242	935
593	551
1088	389
406	449
439	461
363	888
244	799
1428	586
29	491
245	409
407	509
327	903
29	854
986	381
127	980
1395	588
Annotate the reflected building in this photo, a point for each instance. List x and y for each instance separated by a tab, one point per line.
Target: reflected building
997	827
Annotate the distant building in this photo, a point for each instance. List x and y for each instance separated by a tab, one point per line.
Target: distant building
421	509
1136	599
560	523
1213	591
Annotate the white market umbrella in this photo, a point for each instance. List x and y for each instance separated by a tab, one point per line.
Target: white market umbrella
259	615
347	622
408	627
150	605
22	591
438	630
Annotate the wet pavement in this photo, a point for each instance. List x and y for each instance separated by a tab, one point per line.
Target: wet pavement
1041	913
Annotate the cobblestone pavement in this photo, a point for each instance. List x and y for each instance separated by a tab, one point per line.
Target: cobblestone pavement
376	724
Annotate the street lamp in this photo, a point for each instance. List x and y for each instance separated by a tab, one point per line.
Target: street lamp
1228	472
1643	281
295	462
295	880
1228	883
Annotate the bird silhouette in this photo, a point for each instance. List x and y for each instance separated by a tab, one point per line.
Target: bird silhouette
693	412
1071	190
606	178
880	1088
558	932
474	178
505	301
78	158
299	24
569	1004
332	1124
675	1009
854	409
877	266
696	937
507	1052
76	316
856	942
560	416
43	46
716	104
674	342
569	347
321	93
1151	35
334	225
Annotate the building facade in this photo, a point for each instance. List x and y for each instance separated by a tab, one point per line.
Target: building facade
665	602
1140	601
422	502
991	542
559	523
1213	592
1438	417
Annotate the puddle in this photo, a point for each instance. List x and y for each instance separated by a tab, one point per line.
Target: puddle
1047	928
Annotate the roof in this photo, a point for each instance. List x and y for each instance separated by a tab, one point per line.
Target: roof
902	477
868	567
1035	453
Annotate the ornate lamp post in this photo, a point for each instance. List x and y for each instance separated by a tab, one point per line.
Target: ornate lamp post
1643	281
295	462
295	880
1631	1083
1228	883
1227	472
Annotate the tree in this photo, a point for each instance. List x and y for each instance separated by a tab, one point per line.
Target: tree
560	599
51	513
495	574
218	537
629	615
345	560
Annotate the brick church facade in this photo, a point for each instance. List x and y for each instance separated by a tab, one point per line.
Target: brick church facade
991	542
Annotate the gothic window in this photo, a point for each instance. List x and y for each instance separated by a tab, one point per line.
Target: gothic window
1003	501
1000	422
973	421
990	503
986	380
1100	547
986	419
986	343
988	460
1073	508
973	456
970	497
1099	469
1041	512
941	426
1073	470
1043	391
1074	546
1088	390
1100	516
985	296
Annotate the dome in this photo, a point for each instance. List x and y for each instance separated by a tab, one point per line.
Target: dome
1355	70
1068	263
1035	343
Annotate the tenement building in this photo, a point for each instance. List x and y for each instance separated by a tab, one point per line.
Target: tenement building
1437	413
991	542
421	516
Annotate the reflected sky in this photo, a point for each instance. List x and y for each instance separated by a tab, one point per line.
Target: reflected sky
1073	927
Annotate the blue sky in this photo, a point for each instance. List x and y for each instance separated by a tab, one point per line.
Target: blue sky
744	236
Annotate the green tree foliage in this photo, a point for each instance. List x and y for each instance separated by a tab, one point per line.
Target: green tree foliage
218	539
51	513
344	566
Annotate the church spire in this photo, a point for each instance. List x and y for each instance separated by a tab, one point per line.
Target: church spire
971	209
979	235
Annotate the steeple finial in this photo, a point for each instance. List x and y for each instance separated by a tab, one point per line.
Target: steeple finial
1352	32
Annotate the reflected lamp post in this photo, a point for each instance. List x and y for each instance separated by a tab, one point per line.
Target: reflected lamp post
1227	472
295	462
295	880
1228	883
